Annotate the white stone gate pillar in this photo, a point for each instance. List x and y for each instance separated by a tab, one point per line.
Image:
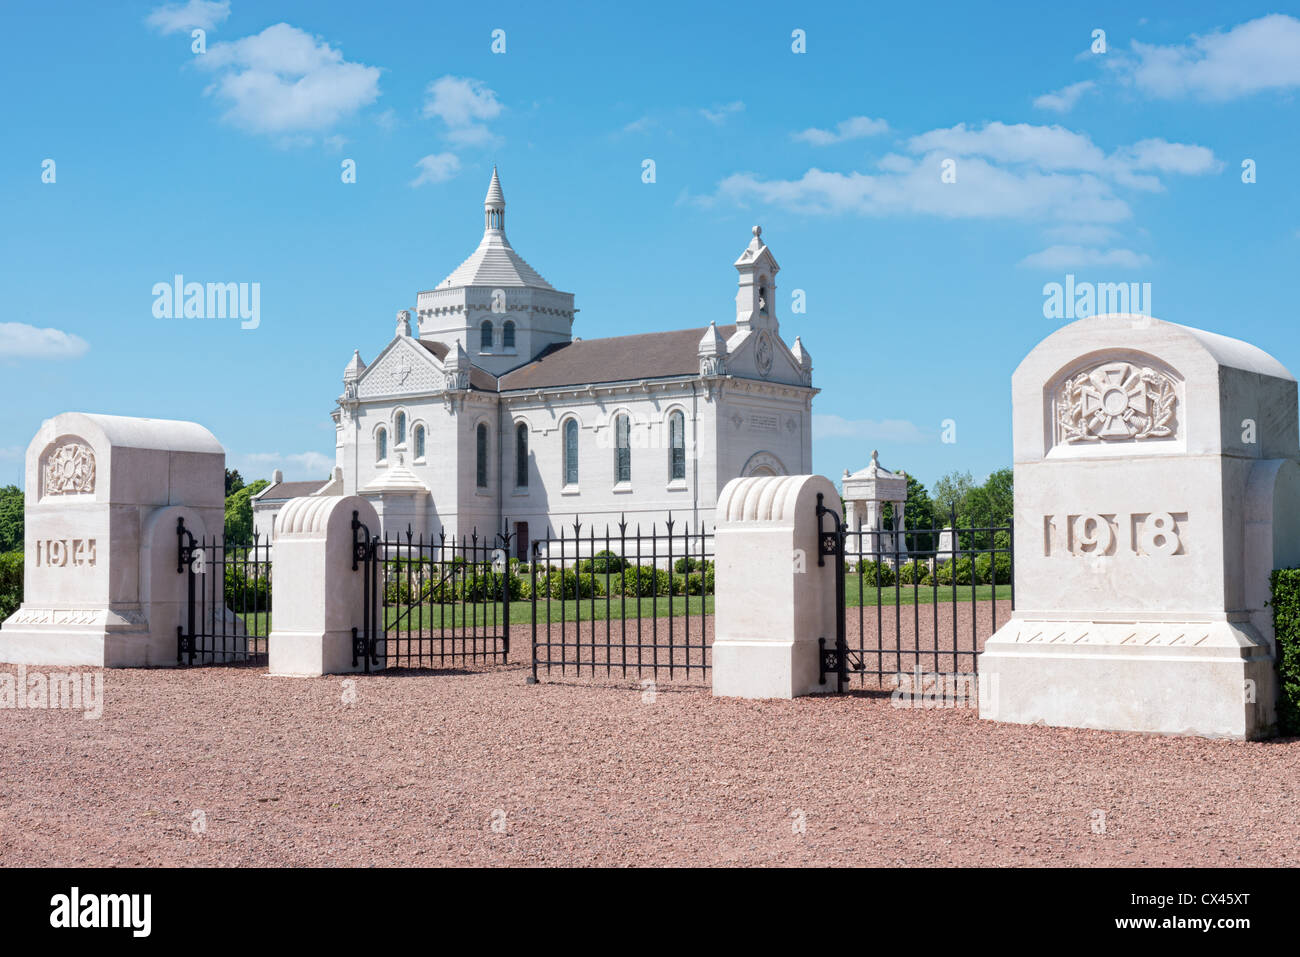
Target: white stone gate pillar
317	598
1156	487
100	580
772	601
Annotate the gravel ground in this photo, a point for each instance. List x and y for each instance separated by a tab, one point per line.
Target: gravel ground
419	768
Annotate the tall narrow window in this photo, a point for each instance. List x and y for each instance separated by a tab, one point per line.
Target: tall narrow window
508	335
399	428
419	442
571	452
485	336
381	445
677	446
482	470
622	449
521	455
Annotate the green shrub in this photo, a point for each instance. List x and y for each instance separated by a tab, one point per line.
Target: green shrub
247	585
11	583
569	584
1284	584
913	573
603	562
642	581
945	575
486	585
986	565
696	583
875	573
688	564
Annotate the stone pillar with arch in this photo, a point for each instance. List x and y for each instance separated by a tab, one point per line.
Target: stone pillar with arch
1156	488
773	601
101	580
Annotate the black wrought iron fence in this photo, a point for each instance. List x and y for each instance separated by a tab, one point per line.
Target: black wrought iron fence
434	603
924	598
623	601
227	617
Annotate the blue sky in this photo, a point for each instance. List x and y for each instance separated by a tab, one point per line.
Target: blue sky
922	296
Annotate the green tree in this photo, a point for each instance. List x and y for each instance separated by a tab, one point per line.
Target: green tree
988	506
234	482
239	512
11	518
919	512
950	493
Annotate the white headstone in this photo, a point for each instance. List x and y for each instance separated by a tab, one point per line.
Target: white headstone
1156	487
103	496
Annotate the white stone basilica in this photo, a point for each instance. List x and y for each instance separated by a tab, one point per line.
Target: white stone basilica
484	412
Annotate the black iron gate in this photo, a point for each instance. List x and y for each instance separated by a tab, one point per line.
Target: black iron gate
913	603
228	600
432	604
623	602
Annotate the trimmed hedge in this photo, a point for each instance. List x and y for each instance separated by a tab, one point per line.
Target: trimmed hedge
1284	584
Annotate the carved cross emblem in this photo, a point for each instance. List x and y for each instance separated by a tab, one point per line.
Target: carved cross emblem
404	369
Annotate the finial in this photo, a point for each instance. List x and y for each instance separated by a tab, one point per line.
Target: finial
875	457
757	231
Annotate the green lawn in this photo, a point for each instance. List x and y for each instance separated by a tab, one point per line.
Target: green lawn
521	612
923	594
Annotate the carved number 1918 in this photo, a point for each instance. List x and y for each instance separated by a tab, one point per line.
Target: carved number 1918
1097	534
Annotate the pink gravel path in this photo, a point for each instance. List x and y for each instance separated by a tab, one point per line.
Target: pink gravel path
589	773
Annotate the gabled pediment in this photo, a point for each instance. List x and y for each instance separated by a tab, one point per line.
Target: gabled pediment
743	358
403	368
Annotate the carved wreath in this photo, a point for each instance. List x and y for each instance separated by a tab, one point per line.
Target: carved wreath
70	470
1117	401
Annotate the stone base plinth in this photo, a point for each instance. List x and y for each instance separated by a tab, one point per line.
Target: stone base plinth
1207	678
767	669
91	637
295	654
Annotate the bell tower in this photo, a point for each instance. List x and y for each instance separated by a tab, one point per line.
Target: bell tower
756	298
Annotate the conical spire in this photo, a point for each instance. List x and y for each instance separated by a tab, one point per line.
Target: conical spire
494	205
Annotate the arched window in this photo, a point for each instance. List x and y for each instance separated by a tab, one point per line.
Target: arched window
508	335
399	428
622	449
482	469
485	336
571	452
676	446
419	442
521	455
381	445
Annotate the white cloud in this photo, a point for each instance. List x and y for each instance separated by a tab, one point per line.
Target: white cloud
465	105
387	121
1077	257
18	340
175	17
1064	99
1261	54
871	430
436	168
297	466
284	80
1093	234
718	115
854	128
1019	171
641	125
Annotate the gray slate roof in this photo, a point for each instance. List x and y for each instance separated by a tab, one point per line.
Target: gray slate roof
650	355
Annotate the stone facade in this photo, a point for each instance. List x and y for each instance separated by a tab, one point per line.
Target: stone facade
462	421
